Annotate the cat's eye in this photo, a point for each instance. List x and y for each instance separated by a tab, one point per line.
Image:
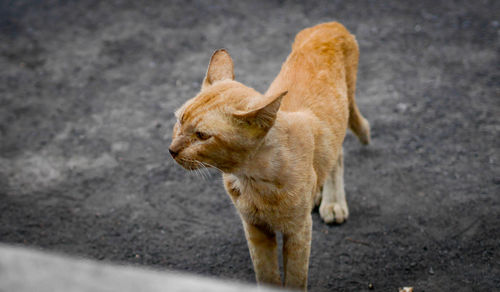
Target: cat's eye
202	136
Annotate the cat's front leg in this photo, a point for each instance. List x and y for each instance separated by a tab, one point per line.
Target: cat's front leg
263	251
296	250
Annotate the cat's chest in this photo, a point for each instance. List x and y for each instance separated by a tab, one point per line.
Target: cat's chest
260	203
260	210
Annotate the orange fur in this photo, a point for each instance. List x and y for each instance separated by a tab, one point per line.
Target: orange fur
280	152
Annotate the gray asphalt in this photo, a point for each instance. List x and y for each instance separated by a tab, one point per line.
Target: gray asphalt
87	94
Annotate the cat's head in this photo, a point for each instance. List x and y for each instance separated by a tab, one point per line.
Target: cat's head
222	125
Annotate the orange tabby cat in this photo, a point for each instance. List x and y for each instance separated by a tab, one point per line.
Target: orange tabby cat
280	152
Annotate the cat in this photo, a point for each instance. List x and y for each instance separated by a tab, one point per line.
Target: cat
280	153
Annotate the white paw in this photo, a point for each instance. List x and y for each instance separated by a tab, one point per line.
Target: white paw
331	212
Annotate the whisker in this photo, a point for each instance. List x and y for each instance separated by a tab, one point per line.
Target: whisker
210	165
202	168
201	174
198	170
190	169
205	168
207	173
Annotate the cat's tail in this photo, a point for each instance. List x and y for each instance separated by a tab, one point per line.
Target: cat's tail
357	123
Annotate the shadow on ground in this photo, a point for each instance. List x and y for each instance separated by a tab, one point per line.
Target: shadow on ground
87	94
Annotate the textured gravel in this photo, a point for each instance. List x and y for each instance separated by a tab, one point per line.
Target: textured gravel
87	94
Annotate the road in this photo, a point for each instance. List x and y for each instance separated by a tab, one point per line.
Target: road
87	94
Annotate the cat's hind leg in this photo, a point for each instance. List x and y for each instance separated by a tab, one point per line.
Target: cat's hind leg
317	198
333	203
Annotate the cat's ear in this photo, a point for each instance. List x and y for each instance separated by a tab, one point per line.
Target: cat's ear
263	115
220	68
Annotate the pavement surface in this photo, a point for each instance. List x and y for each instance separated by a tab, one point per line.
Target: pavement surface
28	270
87	94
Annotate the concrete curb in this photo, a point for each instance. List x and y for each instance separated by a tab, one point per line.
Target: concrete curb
23	269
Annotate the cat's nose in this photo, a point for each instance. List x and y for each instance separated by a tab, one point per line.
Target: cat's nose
172	152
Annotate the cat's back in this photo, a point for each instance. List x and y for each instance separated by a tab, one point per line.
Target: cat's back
314	73
320	37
